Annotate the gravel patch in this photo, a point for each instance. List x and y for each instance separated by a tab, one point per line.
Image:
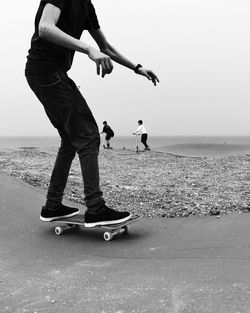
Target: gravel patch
151	184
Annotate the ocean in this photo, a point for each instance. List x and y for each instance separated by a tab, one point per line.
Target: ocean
178	145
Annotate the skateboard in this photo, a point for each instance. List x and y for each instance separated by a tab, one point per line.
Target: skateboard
77	221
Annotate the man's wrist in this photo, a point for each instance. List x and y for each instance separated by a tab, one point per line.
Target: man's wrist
88	49
136	69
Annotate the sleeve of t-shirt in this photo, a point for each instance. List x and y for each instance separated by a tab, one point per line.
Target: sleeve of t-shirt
92	20
57	3
138	130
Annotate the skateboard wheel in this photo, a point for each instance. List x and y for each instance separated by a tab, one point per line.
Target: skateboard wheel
107	236
58	230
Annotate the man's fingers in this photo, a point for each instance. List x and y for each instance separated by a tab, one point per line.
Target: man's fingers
154	78
104	67
107	66
104	70
110	65
98	68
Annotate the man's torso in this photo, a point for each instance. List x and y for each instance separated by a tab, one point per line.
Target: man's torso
46	57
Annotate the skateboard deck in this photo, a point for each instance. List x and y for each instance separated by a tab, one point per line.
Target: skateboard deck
77	221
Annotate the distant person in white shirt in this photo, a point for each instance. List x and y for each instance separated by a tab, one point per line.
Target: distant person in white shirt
141	130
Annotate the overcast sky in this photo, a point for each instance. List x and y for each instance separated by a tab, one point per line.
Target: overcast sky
198	48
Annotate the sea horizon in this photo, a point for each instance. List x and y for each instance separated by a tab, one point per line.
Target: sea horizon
187	145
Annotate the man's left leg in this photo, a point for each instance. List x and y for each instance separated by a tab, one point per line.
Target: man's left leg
83	131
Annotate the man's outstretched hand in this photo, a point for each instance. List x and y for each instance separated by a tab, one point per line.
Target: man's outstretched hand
105	66
149	74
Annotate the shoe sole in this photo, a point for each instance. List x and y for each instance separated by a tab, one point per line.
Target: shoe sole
106	223
50	219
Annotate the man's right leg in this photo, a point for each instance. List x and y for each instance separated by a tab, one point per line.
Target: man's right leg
54	208
54	97
65	156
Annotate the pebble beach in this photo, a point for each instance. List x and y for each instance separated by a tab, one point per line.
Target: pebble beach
152	184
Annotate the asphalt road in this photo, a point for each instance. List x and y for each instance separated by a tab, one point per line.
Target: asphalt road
183	265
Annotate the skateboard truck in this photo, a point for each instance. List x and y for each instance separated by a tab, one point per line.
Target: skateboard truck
109	235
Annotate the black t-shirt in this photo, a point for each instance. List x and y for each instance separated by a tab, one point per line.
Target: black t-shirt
46	57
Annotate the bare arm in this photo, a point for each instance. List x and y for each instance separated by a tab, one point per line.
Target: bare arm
106	48
49	31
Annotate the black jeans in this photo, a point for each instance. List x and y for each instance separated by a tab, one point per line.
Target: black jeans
144	138
69	113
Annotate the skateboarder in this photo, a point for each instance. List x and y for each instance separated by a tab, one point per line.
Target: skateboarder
58	28
141	131
109	133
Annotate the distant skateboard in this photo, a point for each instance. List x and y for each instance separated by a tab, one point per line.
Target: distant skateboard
107	147
78	220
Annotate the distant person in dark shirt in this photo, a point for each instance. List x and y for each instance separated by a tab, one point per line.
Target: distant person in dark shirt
58	28
109	133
